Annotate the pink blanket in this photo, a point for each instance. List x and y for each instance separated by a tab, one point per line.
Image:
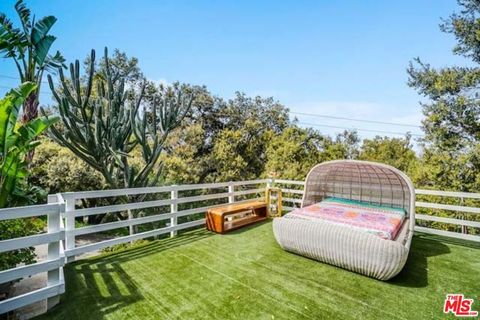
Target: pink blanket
381	221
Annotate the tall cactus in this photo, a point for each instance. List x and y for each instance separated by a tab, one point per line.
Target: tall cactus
103	126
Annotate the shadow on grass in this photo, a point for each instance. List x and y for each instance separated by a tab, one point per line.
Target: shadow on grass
415	272
101	286
153	247
247	228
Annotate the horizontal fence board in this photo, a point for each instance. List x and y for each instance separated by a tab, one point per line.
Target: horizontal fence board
159	203
292	200
120	207
460	222
148	219
287	208
147	190
292	191
30	241
248	182
203	197
299	183
448	207
31	297
449	234
216	185
28	211
216	196
121	224
31	269
114	192
188	212
138	236
248	191
205	209
453	194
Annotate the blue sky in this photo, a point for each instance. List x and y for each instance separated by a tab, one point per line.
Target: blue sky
340	58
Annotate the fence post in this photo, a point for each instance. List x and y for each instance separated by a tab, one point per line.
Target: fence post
53	226
173	209
464	228
270	182
69	225
231	190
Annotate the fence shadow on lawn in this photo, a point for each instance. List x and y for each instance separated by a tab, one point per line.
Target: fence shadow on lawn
103	286
154	247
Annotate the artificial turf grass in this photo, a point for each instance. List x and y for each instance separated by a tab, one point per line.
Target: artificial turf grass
246	275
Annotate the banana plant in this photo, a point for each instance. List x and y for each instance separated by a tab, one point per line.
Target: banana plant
29	46
17	139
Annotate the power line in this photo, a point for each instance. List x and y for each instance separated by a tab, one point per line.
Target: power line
353	119
347	128
14	78
311	115
344	128
359	129
9	77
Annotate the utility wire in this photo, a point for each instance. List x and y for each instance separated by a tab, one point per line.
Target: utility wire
9	77
15	78
353	119
359	129
343	128
311	115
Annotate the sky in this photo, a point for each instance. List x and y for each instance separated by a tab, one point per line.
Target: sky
334	58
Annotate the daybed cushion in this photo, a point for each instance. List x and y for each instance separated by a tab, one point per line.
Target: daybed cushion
382	221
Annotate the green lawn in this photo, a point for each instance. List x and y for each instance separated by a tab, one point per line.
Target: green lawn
245	275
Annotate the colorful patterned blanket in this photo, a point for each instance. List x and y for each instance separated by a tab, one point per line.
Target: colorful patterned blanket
382	221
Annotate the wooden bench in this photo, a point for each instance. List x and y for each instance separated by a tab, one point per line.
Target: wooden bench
234	216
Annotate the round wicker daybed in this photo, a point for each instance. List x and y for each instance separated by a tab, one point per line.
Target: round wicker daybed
351	249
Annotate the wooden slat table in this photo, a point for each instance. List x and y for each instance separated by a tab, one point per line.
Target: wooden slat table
234	216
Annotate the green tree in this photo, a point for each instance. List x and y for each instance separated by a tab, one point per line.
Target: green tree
396	152
293	153
451	146
451	124
29	47
238	154
184	162
345	146
223	140
57	169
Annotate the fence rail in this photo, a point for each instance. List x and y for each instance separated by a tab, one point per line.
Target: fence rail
228	194
61	212
53	265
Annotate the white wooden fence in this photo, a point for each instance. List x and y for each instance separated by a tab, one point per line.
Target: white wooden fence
62	208
227	194
53	265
